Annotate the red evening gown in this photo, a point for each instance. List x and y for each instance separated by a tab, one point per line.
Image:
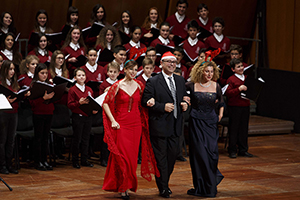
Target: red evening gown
124	143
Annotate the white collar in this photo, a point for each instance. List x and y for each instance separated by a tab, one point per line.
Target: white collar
5	30
165	75
126	30
180	18
75	47
42	52
109	46
111	81
80	87
8	54
192	42
178	65
90	67
154	25
219	38
163	40
8	82
58	71
241	77
42	29
204	22
121	65
145	77
30	75
133	44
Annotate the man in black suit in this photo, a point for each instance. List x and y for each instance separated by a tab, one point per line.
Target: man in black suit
164	95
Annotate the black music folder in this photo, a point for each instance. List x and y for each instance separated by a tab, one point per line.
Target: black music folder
106	56
38	90
92	105
61	80
95	29
161	49
20	94
177	40
254	87
94	85
203	33
124	37
81	60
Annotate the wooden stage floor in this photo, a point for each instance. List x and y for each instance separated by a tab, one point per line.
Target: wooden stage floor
274	173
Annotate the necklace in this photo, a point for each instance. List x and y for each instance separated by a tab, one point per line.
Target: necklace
205	85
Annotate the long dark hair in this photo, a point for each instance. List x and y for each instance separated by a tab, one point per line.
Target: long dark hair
72	10
39	67
122	26
102	40
69	38
94	14
36	24
11	27
17	58
65	71
4	74
40	35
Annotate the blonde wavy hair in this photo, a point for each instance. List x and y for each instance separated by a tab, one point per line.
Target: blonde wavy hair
198	70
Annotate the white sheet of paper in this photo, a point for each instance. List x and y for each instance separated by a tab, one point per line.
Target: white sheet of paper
4	104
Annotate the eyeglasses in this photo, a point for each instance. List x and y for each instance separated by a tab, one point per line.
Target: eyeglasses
60	58
169	61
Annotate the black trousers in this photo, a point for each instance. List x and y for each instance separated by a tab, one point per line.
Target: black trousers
41	125
166	150
238	128
81	135
8	126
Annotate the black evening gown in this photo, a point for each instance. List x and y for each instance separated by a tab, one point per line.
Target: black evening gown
203	146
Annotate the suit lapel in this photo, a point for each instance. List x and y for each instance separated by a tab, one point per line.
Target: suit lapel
163	83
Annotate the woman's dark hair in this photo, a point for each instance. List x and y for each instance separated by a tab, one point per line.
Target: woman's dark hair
39	67
40	35
11	27
4	74
72	10
17	58
94	14
36	25
122	26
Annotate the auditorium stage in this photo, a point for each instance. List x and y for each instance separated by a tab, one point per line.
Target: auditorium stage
274	173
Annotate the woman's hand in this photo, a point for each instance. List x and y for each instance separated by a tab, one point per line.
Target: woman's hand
151	102
115	125
27	94
11	100
95	112
184	106
220	117
73	59
83	101
148	35
48	96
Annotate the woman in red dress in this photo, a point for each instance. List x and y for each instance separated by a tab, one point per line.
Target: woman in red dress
125	122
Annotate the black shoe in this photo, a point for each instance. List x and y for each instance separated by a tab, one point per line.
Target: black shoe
164	194
12	170
125	197
92	154
170	191
76	165
103	163
4	170
181	158
232	155
86	164
191	191
40	166
48	167
245	154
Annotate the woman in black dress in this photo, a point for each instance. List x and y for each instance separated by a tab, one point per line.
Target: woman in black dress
206	97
